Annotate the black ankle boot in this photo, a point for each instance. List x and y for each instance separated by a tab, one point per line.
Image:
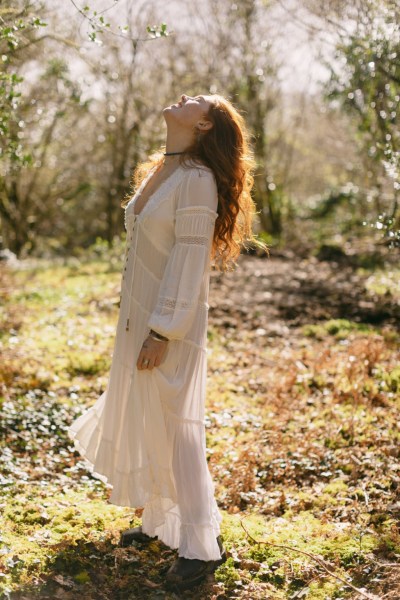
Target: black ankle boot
134	535
188	572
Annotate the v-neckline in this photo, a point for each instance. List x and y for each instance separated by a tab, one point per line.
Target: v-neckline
145	182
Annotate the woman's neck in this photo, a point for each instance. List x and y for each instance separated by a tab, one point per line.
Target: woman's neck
178	140
170	161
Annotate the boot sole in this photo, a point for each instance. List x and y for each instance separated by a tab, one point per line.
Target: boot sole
127	538
190	583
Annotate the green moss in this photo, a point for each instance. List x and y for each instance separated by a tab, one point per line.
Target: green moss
233	532
348	550
340	328
392	380
335	487
314	331
87	364
325	590
384	281
389	542
306	532
227	574
34	530
300	532
82	577
370	387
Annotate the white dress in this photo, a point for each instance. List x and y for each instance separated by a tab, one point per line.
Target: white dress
145	435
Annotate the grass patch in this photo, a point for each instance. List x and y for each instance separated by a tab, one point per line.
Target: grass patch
383	281
339	328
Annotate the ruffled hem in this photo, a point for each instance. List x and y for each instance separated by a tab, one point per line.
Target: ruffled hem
181	511
162	518
129	488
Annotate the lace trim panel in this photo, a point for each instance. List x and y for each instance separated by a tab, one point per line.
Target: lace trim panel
167	302
198	240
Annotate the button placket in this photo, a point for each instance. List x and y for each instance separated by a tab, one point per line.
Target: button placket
132	274
127	250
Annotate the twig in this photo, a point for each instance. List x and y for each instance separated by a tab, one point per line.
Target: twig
105	30
386	565
365	495
313	557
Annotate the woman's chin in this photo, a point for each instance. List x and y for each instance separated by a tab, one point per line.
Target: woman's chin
168	111
170	114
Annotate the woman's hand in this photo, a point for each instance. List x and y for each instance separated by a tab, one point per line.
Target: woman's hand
153	351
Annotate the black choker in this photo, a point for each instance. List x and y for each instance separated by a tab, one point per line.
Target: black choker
172	153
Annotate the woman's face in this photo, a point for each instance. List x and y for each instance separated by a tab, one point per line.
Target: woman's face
189	111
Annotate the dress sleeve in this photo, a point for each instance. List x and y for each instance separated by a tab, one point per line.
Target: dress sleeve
189	261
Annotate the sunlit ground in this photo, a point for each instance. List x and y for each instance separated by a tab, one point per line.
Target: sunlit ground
302	435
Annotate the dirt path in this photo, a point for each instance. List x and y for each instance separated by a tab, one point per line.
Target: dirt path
277	293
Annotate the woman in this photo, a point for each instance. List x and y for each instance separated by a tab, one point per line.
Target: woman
145	435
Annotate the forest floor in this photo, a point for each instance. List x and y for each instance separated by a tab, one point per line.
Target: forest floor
302	434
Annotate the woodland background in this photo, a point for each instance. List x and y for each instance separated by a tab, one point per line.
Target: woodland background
304	375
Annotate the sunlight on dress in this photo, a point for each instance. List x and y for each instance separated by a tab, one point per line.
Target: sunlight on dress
145	435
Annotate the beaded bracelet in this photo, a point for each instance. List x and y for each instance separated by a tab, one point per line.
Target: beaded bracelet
158	336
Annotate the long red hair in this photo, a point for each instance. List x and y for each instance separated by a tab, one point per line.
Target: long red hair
225	149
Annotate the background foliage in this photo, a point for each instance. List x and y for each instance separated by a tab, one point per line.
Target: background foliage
60	190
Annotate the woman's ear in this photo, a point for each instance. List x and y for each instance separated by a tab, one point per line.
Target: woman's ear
204	125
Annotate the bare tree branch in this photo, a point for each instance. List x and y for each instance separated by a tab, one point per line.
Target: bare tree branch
107	30
316	559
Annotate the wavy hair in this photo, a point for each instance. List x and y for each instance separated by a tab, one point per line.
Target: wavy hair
225	149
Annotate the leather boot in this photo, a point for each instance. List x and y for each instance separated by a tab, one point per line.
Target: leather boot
188	572
134	535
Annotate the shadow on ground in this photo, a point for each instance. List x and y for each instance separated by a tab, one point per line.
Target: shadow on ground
275	294
101	570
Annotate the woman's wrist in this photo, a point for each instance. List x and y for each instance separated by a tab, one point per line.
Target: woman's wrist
157	336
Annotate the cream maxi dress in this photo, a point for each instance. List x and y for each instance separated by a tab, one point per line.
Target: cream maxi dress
145	435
